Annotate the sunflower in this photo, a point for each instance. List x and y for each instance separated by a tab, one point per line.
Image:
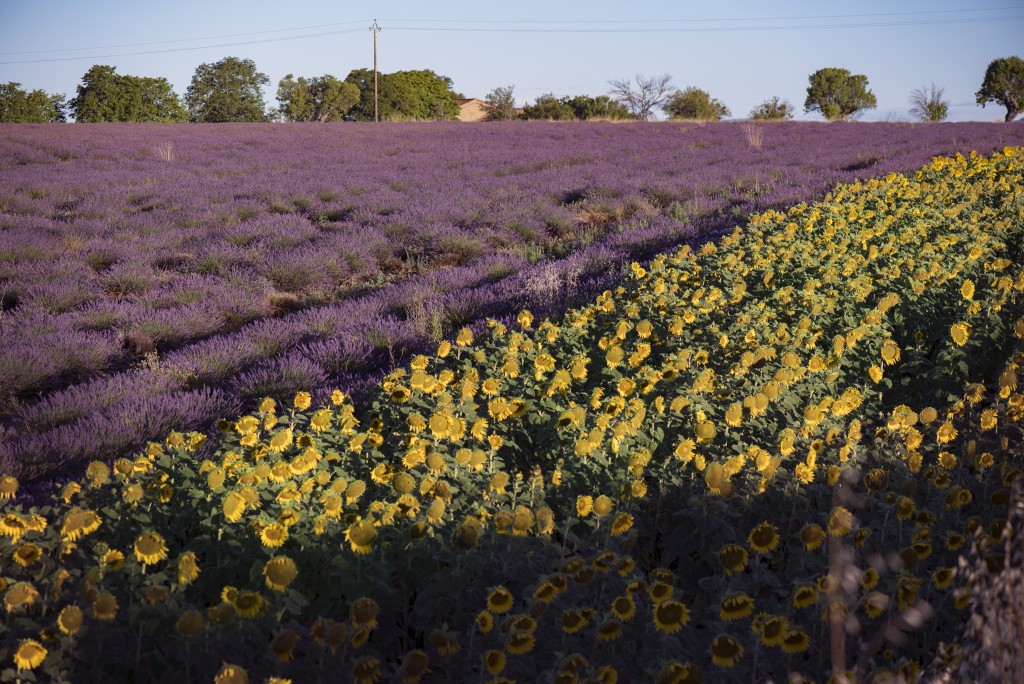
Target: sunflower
621	524
29	655
573	621
283	647
302	400
734	558
734	414
279	572
946	433
704	431
812	536
484	621
764	537
249	604
602	506
494	661
947	460
20	594
805	595
232	674
869	578
773	630
321	420
273	535
188	568
960	332
281	441
500	600
70	620
366	670
725	651
840	522
875	604
27	554
943	577
736	607
670	616
609	630
624	607
360	536
191	623
8	487
234	506
675	672
520	642
150	548
77	523
875	373
795	641
104	607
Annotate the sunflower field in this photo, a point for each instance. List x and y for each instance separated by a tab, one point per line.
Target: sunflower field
760	460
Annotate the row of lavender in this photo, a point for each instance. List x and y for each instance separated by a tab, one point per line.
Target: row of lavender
117	240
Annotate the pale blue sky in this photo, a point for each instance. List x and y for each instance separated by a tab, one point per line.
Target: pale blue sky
741	51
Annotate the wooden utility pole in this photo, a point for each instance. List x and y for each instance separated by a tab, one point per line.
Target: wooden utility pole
375	28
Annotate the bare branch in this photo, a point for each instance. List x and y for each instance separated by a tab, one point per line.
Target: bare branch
642	98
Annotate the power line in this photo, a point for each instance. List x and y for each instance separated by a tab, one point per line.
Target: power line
184	49
706	29
536	21
662	21
484	29
184	40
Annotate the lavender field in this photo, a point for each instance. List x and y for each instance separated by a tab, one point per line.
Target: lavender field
158	277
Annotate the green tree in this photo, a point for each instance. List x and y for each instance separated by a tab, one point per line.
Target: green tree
403	96
772	110
838	94
321	98
928	104
694	103
22	106
585	107
548	107
228	90
501	104
105	95
1004	84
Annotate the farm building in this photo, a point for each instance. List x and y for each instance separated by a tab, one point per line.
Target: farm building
472	109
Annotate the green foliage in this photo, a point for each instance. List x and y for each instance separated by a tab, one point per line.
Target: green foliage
501	104
550	108
585	107
421	95
694	103
772	110
838	94
580	107
22	106
105	95
321	98
228	90
928	104
1004	84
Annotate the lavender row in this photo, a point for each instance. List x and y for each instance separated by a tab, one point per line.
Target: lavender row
111	236
350	343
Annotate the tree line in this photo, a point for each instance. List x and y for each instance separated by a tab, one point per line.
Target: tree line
232	90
